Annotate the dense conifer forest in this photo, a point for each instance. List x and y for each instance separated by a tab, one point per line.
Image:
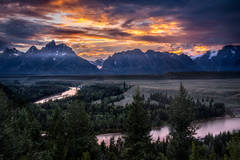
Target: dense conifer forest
66	129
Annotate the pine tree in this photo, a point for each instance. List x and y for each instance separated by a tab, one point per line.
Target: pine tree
24	132
80	133
138	129
57	136
234	148
212	156
124	85
3	117
195	155
181	117
86	156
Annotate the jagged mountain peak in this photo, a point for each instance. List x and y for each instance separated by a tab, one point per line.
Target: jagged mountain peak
12	52
32	50
51	59
151	62
150	51
51	44
55	59
8	50
230	49
226	59
133	51
52	49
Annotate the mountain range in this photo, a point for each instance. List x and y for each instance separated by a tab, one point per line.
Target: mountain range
60	59
51	59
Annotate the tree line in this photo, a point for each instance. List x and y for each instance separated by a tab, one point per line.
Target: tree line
69	134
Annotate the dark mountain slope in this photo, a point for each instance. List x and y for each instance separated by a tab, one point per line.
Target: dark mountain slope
138	62
51	59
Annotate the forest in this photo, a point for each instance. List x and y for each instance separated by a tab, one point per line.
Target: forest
66	129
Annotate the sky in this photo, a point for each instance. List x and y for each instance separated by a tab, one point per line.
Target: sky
99	28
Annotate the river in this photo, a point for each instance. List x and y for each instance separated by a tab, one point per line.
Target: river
213	126
69	93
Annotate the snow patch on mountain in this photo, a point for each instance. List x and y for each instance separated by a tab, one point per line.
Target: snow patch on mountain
15	54
212	54
197	56
99	67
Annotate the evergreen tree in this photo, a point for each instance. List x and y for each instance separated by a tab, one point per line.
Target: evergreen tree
212	156
3	117
234	148
22	136
181	117
195	155
138	129
86	156
81	137
124	85
57	138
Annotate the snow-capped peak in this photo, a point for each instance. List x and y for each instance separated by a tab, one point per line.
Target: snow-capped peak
99	67
233	52
212	54
197	56
12	52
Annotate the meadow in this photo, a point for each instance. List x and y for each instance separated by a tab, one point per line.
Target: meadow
223	90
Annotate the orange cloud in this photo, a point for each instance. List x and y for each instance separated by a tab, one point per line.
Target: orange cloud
201	49
95	32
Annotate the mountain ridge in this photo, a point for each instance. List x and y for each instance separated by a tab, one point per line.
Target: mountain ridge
51	59
61	59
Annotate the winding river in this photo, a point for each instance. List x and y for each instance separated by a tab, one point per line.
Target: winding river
213	126
69	93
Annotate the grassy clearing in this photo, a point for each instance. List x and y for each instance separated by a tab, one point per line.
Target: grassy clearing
221	90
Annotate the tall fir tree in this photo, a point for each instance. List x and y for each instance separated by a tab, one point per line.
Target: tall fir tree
57	139
4	113
234	148
80	133
138	129
195	154
22	136
85	156
181	113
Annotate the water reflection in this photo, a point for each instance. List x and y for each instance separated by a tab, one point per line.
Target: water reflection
69	93
214	127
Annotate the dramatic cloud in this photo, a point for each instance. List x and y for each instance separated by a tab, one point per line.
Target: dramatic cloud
20	28
96	28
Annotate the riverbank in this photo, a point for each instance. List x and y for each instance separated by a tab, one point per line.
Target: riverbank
213	127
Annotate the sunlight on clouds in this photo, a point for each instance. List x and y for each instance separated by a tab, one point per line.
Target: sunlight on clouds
178	51
194	50
170	29
165	28
157	26
85	22
94	32
201	49
62	2
136	32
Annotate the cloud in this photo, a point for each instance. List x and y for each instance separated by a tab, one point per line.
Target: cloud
20	28
3	44
98	24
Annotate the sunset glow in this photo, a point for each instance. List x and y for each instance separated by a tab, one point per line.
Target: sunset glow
97	29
